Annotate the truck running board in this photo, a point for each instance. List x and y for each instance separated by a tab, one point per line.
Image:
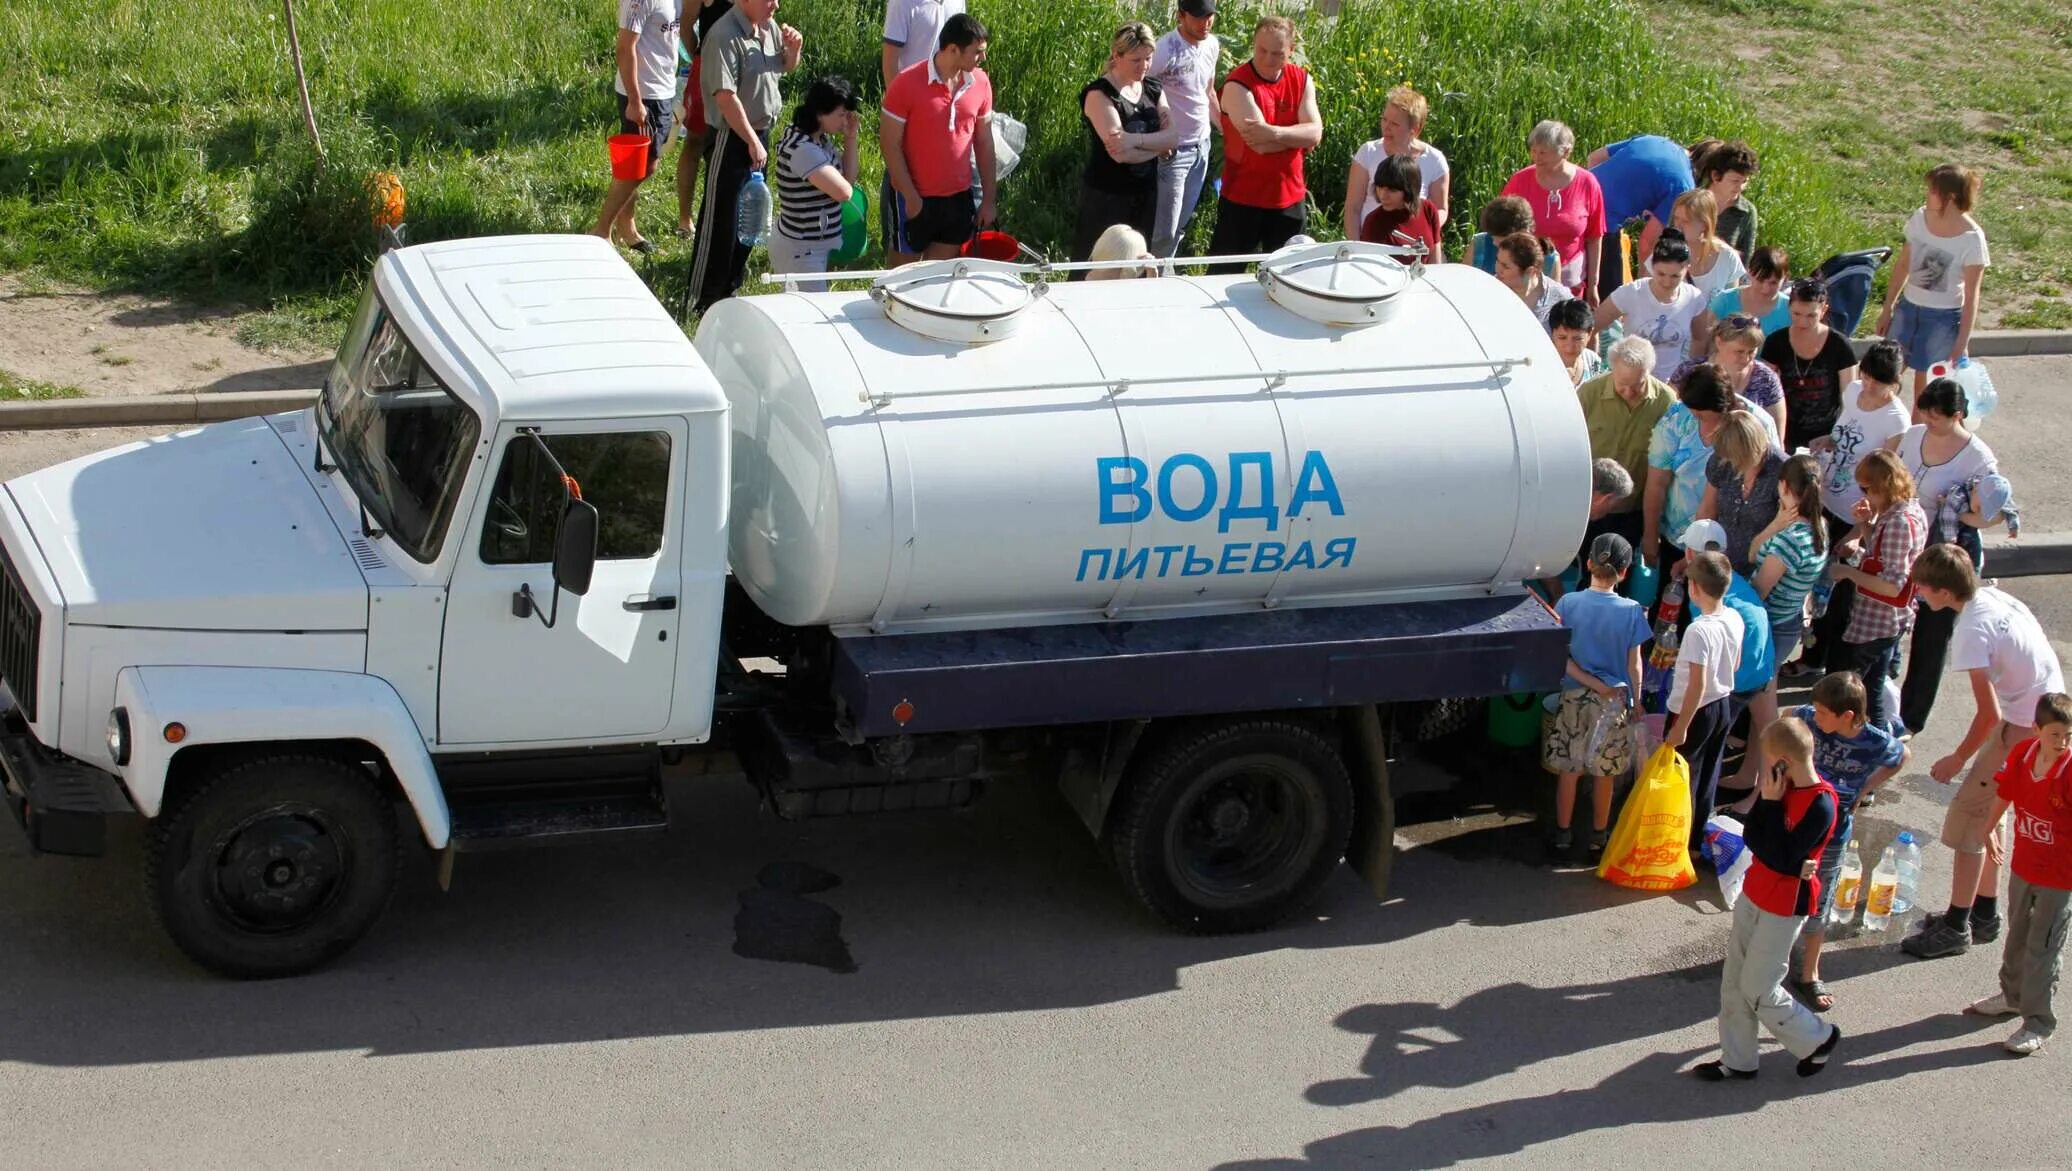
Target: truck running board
507	825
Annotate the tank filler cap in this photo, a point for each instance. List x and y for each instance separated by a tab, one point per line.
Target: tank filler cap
1343	283
963	300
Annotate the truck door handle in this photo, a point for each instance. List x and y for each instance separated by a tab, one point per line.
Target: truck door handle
650	602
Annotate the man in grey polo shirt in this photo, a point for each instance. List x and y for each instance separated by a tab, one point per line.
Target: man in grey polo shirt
739	65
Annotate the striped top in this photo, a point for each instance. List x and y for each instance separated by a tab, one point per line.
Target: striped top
1802	567
804	212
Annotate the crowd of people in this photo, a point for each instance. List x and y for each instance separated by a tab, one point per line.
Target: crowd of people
1770	495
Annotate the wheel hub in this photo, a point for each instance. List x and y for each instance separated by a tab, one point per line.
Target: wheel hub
277	870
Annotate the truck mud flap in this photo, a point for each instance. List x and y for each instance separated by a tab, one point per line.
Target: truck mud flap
1372	849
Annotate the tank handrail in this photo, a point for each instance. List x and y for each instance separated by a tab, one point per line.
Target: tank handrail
1274	379
1167	266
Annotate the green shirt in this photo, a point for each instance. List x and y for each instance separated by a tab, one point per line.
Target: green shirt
1737	226
1621	432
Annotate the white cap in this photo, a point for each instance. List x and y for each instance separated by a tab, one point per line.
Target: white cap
1703	533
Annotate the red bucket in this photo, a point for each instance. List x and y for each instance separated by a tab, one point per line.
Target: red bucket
629	156
991	245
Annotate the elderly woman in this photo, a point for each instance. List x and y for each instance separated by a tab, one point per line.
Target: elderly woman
1518	258
1763	296
1741	486
1402	120
1735	341
1567	205
1128	127
1679	454
1621	411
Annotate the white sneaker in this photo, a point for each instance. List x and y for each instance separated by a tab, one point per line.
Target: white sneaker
1994	1005
2025	1041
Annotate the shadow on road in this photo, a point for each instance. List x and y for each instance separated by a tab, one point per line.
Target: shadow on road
1007	907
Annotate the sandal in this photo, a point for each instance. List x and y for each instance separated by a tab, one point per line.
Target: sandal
1815	994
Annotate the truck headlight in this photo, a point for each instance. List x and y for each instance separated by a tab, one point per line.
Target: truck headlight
119	736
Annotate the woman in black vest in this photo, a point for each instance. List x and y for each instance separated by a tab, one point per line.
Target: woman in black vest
1128	129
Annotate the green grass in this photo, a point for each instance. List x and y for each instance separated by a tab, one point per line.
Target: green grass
14	388
158	147
1886	107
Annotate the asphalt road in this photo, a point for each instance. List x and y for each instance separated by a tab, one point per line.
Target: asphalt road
1008	1006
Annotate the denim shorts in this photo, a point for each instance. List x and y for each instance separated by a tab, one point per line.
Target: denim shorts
1927	335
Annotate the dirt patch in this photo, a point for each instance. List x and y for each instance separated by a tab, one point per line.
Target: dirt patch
116	344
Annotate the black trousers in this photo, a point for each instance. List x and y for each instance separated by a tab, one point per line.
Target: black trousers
1241	229
1928	652
1828	628
1101	209
1705	747
720	260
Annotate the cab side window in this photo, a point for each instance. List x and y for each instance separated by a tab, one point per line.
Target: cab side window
625	474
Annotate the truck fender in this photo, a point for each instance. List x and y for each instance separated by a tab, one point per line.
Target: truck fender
260	705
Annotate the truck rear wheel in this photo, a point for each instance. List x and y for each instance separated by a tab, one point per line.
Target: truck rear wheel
273	866
1233	828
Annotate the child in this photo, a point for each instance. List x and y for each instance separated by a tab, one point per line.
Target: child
1930	312
1872	416
1403	217
2038	783
2011	664
1500	217
1857	759
1568	322
1891	530
1793	818
1701	695
1606	634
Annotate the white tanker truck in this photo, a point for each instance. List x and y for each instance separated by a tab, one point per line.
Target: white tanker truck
1173	545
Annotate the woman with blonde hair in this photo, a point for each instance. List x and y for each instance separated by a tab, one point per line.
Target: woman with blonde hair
1128	128
1741	485
1891	531
1733	343
1715	266
1402	121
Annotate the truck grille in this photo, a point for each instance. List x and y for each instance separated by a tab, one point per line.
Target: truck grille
21	628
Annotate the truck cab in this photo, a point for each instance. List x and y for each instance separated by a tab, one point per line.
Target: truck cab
485	579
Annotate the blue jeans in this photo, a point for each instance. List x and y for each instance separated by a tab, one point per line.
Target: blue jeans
1874	662
1179	188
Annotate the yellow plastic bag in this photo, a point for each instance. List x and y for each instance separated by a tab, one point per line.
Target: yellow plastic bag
1650	847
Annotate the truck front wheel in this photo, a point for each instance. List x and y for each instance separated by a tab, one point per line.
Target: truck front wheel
1233	828
273	866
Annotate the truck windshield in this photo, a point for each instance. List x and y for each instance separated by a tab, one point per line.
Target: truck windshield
401	439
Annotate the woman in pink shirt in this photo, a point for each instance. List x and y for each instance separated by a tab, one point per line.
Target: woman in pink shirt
1567	205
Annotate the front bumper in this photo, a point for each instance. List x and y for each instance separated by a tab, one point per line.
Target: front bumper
63	806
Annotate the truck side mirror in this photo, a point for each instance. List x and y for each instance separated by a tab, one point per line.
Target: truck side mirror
575	547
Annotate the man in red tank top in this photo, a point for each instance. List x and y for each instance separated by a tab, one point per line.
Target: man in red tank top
1270	121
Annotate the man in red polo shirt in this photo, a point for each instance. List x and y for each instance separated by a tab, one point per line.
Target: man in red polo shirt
1270	121
937	115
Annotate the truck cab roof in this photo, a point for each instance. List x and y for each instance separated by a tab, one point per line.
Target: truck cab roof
540	328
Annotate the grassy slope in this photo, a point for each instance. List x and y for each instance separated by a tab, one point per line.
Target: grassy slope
1893	87
158	147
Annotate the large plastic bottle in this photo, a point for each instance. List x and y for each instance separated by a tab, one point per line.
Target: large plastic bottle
752	211
1660	674
1908	859
1979	396
1848	888
1877	909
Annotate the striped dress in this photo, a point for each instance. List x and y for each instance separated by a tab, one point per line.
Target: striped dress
804	212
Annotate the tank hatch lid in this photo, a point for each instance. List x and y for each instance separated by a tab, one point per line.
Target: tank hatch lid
962	300
1347	282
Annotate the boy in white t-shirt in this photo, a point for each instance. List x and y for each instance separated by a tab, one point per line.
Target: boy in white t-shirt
1701	698
2009	658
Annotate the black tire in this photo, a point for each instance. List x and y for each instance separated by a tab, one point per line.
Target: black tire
273	866
1235	827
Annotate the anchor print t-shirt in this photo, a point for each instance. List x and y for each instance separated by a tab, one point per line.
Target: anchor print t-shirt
1666	324
1936	264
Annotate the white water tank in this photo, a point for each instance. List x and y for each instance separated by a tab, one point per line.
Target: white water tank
963	450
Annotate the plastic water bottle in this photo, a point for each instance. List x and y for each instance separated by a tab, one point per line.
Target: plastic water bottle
1979	396
1877	909
1908	859
752	211
1848	888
